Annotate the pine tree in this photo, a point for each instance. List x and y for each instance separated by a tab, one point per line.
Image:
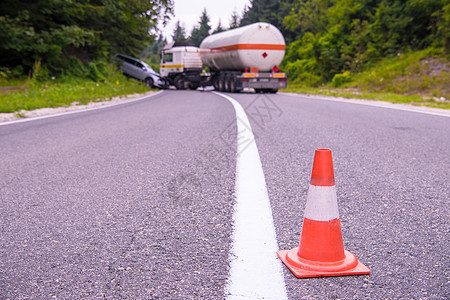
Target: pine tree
219	27
202	30
56	33
234	22
179	33
263	11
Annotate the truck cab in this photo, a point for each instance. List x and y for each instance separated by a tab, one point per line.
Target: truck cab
181	65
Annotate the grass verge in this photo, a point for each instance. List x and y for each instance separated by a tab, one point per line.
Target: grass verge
349	93
417	78
27	94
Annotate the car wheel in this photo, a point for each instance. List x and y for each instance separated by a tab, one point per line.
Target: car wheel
149	82
164	84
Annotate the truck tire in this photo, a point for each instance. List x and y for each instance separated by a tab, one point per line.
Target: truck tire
193	86
216	83
227	83
179	83
232	83
220	83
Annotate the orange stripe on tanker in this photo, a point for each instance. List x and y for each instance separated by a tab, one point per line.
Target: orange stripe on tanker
249	47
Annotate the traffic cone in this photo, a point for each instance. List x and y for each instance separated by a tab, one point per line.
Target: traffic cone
321	249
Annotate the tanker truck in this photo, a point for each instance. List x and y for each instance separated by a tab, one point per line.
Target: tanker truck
245	57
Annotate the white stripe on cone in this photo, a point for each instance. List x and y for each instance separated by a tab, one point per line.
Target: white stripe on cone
321	204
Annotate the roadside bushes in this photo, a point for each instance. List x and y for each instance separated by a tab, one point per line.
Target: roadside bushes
336	36
53	32
303	71
340	79
96	71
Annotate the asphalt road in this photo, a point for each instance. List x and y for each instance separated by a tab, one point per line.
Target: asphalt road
136	201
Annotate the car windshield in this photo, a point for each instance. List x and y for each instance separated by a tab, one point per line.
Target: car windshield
147	67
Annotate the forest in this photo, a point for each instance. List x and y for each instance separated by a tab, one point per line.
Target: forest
326	39
51	37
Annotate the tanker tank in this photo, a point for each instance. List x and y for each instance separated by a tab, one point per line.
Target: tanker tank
259	45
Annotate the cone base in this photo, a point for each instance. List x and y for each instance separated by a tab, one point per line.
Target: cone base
303	268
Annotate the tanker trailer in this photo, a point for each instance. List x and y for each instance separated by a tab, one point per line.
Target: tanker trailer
245	57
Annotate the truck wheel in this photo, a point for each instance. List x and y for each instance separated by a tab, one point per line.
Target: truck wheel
232	84
216	83
220	83
193	86
179	83
226	83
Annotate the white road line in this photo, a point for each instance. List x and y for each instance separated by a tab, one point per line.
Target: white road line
397	106
256	272
76	111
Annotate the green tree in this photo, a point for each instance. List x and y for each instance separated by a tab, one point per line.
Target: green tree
264	11
59	35
269	11
442	34
151	54
202	30
219	28
234	21
308	16
348	35
179	33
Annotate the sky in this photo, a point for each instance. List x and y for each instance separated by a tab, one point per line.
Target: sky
189	12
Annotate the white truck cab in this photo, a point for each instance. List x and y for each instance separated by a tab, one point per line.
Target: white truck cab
181	65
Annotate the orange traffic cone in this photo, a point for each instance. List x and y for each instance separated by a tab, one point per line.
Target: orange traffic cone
321	250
